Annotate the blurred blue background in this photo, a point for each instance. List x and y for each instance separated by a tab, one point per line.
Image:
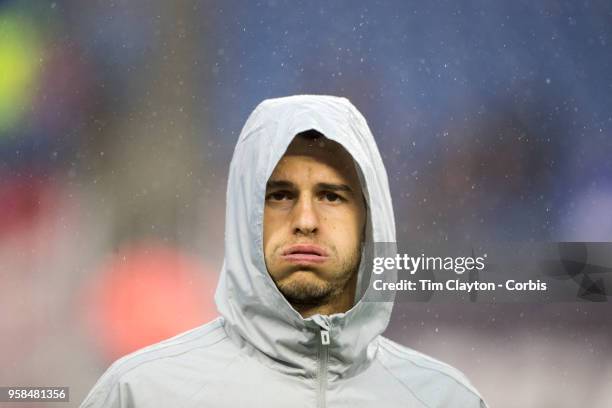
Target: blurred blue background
118	120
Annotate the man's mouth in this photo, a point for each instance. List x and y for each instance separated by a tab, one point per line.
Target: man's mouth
304	254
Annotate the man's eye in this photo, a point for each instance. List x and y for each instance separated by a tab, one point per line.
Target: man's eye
279	196
333	197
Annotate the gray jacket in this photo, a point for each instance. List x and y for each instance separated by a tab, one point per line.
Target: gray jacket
261	352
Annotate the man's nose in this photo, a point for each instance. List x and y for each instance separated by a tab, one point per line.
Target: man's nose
305	217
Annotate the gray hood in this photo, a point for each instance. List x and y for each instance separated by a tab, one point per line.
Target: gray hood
254	310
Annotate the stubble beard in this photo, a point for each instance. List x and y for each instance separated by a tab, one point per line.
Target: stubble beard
316	291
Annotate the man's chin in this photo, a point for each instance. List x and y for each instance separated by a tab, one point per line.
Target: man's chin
304	287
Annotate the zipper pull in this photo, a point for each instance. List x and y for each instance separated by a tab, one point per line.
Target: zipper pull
324	337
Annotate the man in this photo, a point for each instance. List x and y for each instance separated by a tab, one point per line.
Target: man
307	192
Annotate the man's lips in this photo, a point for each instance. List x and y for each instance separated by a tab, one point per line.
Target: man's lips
304	253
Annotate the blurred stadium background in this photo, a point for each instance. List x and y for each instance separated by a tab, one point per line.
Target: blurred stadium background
117	124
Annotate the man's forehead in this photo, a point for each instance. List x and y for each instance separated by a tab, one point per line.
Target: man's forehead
314	169
305	172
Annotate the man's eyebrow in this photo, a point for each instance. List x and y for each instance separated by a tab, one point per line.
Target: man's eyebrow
279	184
335	187
274	184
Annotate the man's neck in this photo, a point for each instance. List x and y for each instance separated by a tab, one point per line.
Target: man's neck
339	303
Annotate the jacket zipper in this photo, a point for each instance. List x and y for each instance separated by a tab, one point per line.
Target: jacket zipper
323	360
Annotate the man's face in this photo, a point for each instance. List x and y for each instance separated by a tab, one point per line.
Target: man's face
314	220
